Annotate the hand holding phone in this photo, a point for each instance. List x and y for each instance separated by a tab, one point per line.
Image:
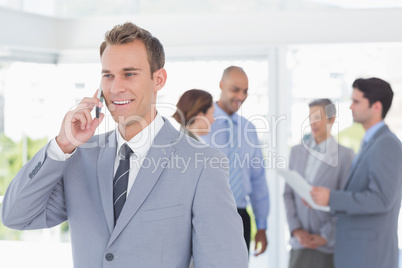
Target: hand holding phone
78	125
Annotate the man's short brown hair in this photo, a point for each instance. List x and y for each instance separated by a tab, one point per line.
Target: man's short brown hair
127	33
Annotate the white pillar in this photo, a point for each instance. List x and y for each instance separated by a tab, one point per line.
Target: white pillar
279	107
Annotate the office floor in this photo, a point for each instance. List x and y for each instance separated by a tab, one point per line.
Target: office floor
17	254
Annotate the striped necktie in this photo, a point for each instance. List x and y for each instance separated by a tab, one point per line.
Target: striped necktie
235	178
120	181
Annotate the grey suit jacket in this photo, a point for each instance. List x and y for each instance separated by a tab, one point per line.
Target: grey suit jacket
368	208
171	212
333	174
189	133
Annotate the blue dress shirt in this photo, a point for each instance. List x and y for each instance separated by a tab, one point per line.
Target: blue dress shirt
372	131
367	136
249	161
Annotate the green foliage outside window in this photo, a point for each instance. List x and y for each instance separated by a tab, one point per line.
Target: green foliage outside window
11	160
11	154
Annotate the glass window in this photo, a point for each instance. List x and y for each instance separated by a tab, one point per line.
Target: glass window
206	75
328	71
28	104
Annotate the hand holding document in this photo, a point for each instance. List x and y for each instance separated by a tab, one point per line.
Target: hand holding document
301	187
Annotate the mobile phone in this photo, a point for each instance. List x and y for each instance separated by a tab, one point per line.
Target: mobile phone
100	97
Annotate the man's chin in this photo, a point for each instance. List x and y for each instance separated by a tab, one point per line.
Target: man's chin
123	120
235	109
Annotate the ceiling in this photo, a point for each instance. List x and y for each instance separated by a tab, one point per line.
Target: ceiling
79	8
71	30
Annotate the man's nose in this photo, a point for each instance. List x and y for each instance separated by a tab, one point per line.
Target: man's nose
242	96
117	86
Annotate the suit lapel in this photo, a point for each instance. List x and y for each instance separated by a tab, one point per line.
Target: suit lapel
365	149
105	168
156	161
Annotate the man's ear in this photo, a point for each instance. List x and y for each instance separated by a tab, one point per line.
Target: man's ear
377	107
331	120
221	84
160	77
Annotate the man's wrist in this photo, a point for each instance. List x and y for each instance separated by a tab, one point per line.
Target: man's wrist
295	231
54	152
261	224
66	148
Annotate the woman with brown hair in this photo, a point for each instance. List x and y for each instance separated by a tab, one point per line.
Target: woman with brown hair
195	113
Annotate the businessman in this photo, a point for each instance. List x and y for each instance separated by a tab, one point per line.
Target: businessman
127	201
235	136
321	161
368	207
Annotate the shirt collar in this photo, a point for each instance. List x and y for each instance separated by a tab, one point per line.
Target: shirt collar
322	147
221	114
372	131
141	143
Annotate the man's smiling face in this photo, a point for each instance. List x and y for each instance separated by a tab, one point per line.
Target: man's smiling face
128	86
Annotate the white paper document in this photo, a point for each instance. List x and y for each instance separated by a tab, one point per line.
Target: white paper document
301	187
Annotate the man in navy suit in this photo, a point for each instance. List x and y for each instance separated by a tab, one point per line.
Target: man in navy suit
369	205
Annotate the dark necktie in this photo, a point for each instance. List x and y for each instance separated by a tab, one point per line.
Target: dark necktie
120	181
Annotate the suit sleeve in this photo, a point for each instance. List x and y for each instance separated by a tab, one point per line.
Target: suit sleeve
383	182
289	199
217	228
35	197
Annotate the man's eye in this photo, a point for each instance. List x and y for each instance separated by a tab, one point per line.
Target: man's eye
130	74
107	75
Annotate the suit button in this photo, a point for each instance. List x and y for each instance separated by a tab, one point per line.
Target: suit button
109	257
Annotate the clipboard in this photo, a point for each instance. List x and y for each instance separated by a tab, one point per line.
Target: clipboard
301	187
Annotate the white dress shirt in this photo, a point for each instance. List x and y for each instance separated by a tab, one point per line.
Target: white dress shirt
314	160
140	144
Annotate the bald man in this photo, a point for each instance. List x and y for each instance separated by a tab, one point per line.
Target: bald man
236	136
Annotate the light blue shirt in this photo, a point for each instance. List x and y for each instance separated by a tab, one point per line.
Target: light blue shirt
367	136
372	131
250	161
